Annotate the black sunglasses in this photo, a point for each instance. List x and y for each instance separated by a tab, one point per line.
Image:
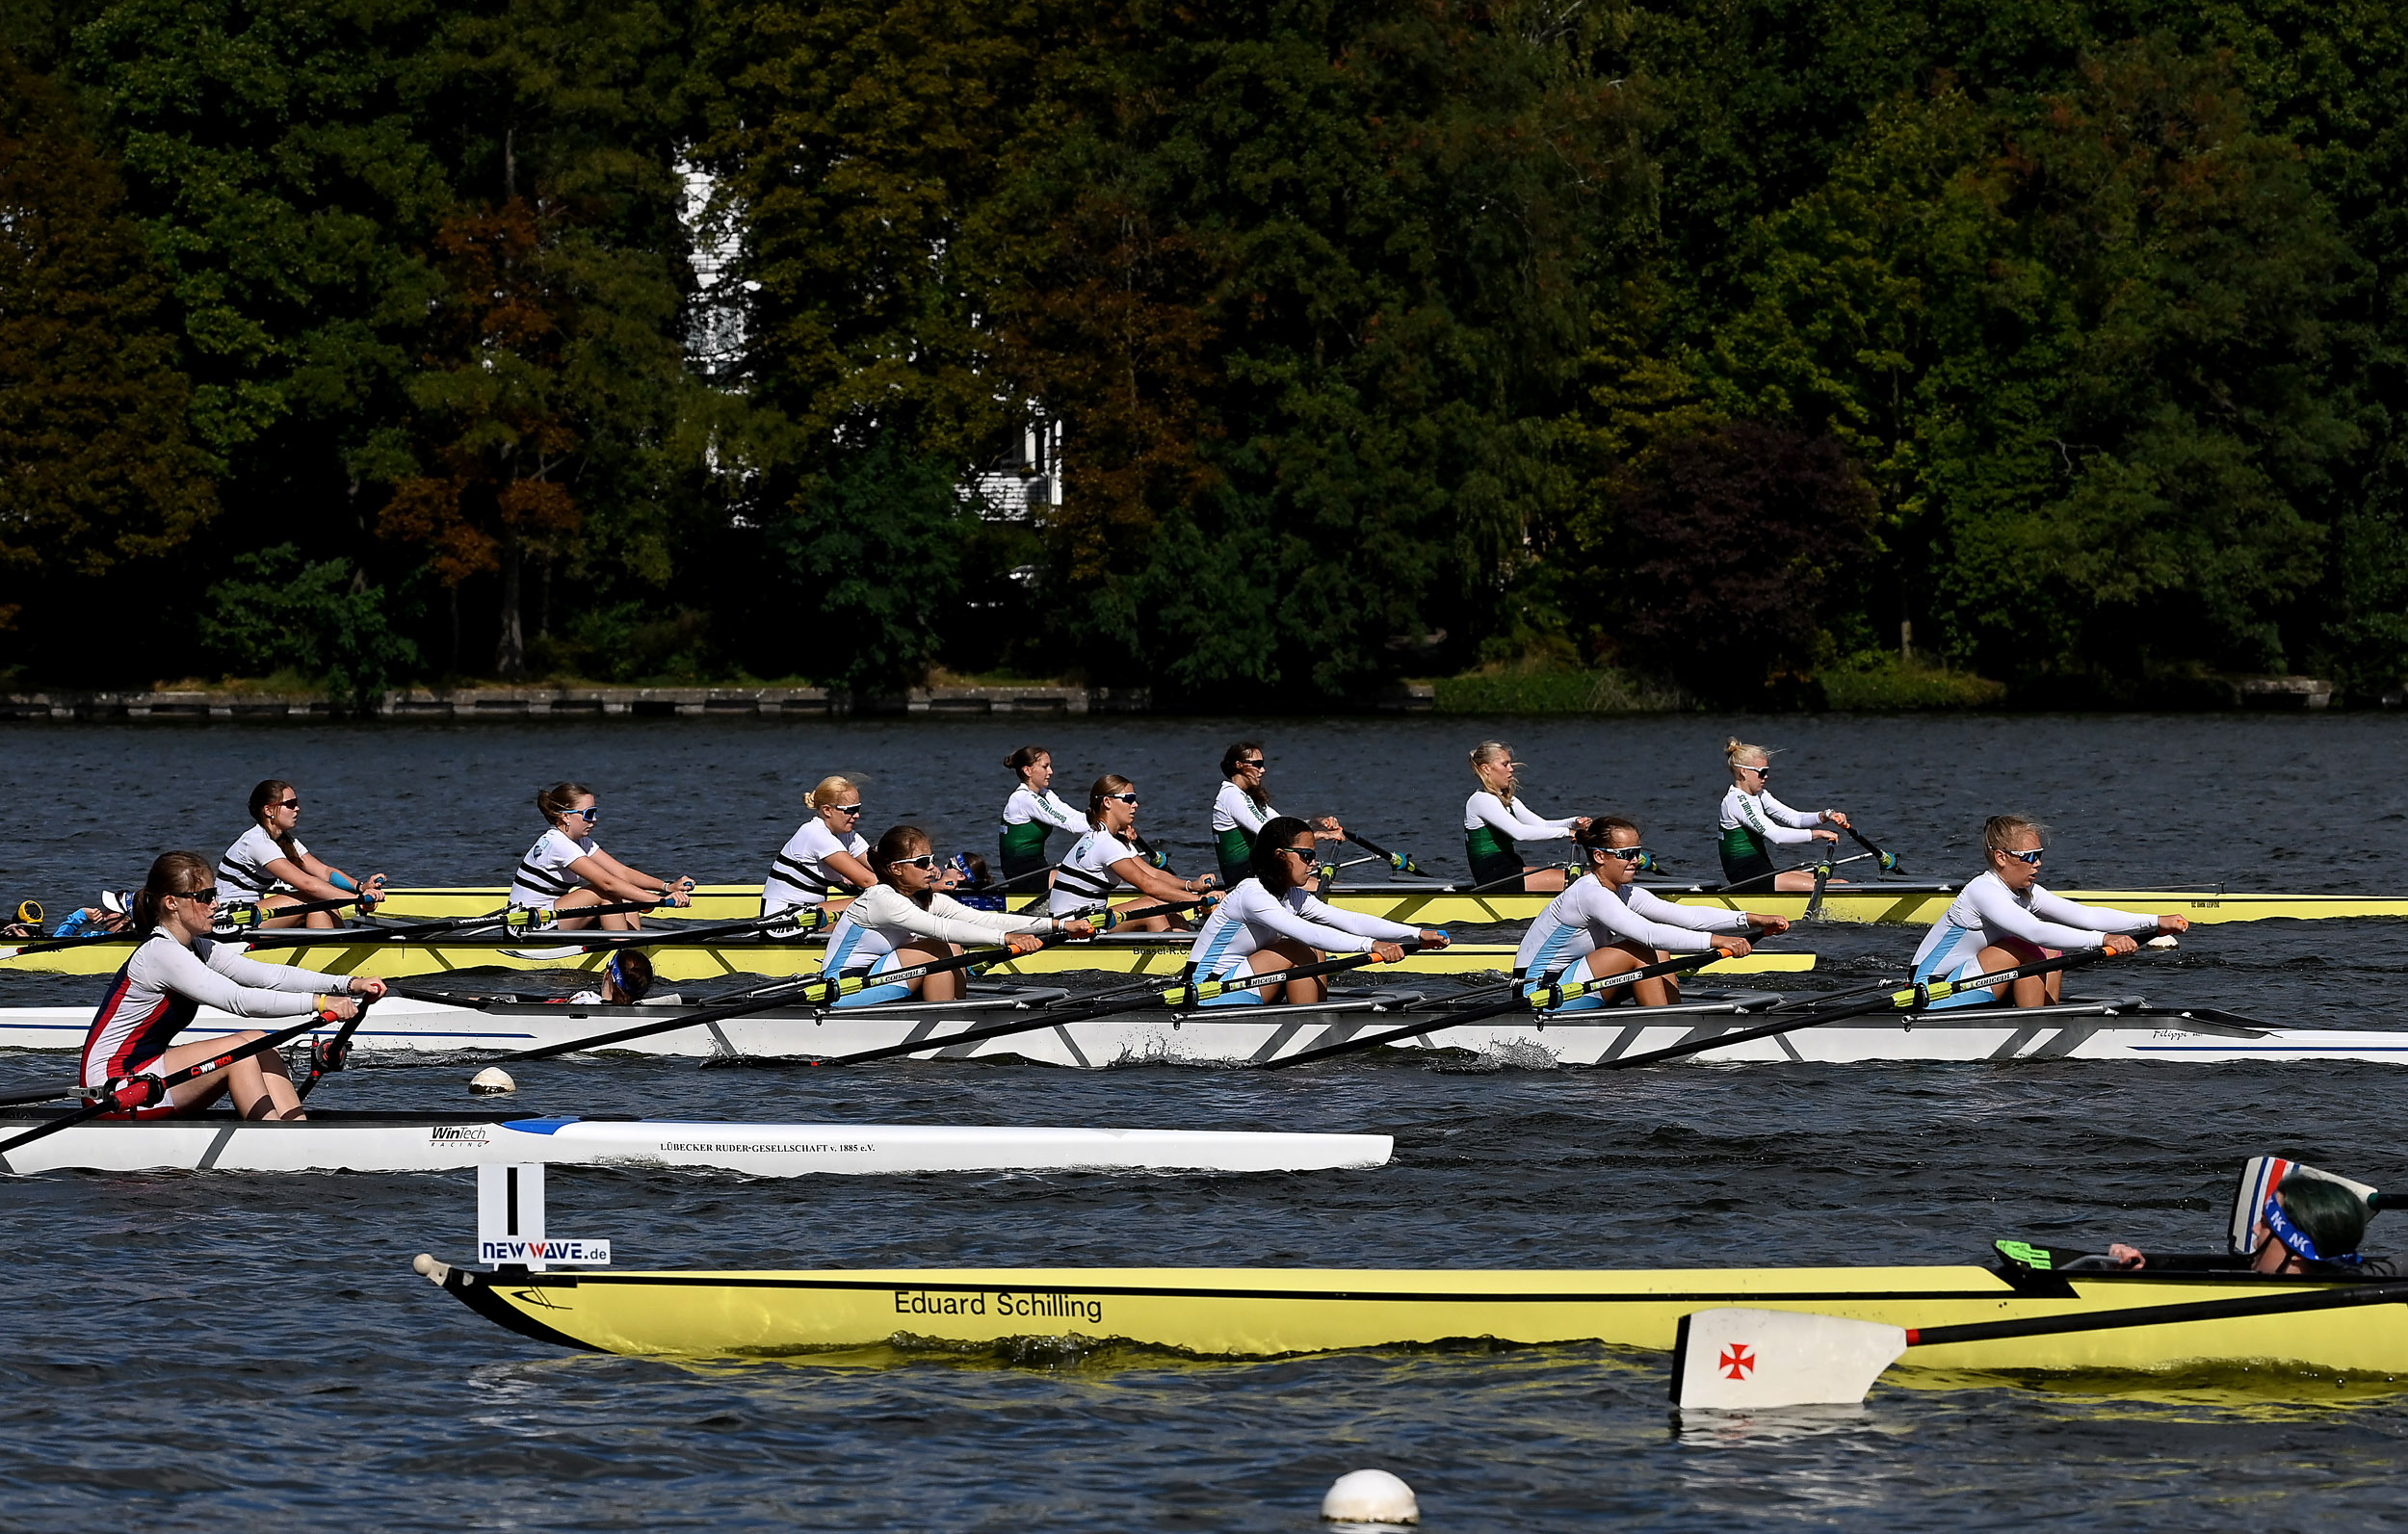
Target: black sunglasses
846	809
288	804
1125	798
207	896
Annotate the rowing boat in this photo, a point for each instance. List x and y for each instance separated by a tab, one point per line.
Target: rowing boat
1433	903
433	1142
2107	1028
1260	1313
380	951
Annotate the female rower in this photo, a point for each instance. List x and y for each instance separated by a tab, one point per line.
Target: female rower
1607	925
269	868
1106	857
176	970
828	851
1270	920
2308	1226
1243	808
1033	814
2003	918
567	869
1754	823
1494	821
904	919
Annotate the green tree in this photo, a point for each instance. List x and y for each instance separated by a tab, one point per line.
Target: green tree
280	612
100	477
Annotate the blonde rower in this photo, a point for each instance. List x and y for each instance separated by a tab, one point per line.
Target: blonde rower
1495	821
1754	823
1106	857
827	852
269	868
567	869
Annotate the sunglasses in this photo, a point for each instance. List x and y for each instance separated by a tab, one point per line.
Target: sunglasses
926	860
207	896
1129	799
1760	772
1258	763
288	804
1304	852
846	809
1627	854
2031	857
589	815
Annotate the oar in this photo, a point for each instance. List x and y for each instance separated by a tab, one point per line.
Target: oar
1739	1359
237	917
1912	998
217	1062
1887	860
1540	998
1402	863
1185	992
810	990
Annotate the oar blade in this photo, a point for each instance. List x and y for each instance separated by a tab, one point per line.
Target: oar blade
1737	1360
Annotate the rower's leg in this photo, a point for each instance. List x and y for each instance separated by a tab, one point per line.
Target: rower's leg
566	905
277	902
260	1088
1603	964
943	986
1541	881
1148	924
1280	955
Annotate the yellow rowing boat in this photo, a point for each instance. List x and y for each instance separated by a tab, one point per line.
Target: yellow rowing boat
1268	1313
341	953
1889	901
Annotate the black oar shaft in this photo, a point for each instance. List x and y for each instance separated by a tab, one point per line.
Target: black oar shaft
176	1077
2338	1296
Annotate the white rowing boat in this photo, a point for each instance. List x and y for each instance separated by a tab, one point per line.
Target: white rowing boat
2107	1028
434	1142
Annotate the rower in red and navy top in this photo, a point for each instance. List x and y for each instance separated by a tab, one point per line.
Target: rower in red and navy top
1608	924
177	968
269	868
2003	918
1754	823
567	869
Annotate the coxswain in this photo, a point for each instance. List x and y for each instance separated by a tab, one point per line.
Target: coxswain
1754	823
177	968
1271	920
269	868
1033	814
1607	924
1243	808
1108	857
1495	821
567	869
827	853
2003	918
626	980
2309	1226
904	919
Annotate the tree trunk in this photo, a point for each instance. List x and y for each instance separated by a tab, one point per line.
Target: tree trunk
509	657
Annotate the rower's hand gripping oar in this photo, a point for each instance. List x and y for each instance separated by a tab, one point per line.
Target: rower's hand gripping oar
1912	998
808	990
330	1056
1537	998
127	1094
239	917
1187	993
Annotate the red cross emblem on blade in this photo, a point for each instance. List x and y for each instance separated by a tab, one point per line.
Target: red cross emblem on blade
1736	1361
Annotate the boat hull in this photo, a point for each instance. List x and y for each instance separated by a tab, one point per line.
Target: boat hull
1912	902
381	1142
2128	1029
1259	1313
1133	953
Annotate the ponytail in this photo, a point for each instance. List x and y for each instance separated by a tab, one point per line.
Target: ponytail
559	799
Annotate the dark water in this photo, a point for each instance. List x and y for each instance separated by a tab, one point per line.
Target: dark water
213	1351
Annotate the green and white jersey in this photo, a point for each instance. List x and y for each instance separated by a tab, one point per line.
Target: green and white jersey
1029	817
1754	824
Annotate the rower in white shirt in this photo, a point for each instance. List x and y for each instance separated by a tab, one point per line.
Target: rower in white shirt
1753	822
269	868
828	852
1495	821
903	920
1033	814
1607	925
2004	918
567	869
1109	857
1271	920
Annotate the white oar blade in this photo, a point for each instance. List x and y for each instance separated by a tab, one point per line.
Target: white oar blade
1739	1359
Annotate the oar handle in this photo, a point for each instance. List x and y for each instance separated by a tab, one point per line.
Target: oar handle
1885	859
238	917
1402	863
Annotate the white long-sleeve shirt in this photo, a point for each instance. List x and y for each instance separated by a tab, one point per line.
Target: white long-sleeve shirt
1253	917
1025	805
1513	822
1587	916
1234	810
1763	815
164	984
1986	911
884	918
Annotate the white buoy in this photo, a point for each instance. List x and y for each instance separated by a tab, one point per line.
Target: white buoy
1370	1496
491	1080
2165	940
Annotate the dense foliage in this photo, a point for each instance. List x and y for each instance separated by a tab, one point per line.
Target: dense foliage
1724	343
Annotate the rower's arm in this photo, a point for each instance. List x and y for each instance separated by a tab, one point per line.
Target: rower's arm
1147	879
1654	907
1362	924
1999	909
2092	917
851	870
308	877
611	876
